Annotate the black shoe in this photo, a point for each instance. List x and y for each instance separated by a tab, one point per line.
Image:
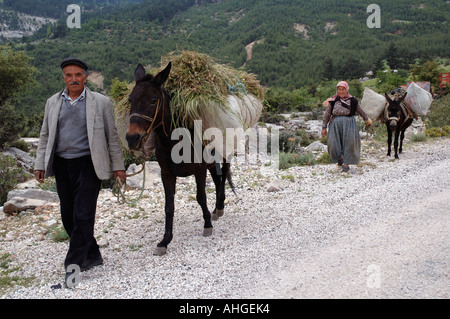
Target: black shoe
90	263
345	168
340	161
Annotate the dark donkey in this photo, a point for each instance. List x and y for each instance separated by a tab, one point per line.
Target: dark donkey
150	111
398	118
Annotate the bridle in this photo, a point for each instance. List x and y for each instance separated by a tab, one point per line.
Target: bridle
151	120
396	118
404	110
390	118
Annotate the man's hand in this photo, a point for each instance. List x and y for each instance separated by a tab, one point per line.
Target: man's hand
121	174
39	175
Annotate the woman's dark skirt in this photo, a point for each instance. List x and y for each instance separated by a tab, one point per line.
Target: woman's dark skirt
344	140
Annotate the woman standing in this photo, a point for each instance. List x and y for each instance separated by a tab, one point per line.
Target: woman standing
344	142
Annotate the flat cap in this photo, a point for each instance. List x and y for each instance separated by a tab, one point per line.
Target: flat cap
74	61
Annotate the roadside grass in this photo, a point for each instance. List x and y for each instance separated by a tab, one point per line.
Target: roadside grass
10	274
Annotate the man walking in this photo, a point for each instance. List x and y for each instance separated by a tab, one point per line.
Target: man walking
79	145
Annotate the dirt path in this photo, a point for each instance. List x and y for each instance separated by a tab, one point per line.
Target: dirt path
402	254
383	231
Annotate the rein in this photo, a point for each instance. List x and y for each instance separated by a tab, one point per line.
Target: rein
118	185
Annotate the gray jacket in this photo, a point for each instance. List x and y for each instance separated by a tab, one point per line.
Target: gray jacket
104	142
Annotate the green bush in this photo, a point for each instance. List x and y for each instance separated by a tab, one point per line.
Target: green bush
59	234
439	113
288	141
10	176
325	159
419	137
21	145
288	160
437	131
10	125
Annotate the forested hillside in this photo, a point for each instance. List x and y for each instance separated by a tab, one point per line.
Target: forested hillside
56	9
293	43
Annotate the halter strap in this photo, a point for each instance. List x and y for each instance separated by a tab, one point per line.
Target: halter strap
145	117
151	120
386	114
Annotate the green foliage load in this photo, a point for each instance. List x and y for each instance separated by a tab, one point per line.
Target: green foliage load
196	81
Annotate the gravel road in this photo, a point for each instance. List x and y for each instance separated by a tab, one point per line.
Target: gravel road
382	231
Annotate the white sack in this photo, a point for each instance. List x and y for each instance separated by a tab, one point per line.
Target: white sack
418	99
238	116
373	104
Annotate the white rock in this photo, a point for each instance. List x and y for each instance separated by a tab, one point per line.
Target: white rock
274	186
103	243
316	146
50	223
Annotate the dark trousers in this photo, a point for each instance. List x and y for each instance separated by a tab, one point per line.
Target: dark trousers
78	187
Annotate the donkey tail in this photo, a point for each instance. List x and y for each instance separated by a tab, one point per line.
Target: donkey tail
230	181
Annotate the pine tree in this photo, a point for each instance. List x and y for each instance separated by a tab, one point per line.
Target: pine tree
328	69
393	57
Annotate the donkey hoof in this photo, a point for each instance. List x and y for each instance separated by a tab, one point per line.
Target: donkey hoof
217	214
160	251
207	232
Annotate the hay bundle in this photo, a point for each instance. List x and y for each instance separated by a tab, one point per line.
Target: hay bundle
201	89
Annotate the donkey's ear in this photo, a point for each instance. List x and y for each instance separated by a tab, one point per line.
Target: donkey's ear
162	76
403	97
387	97
139	73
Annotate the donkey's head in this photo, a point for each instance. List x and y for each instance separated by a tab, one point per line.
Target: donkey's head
394	112
148	101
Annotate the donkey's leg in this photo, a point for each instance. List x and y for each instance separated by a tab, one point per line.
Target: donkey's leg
219	182
169	182
389	133
216	178
220	192
200	179
402	137
396	138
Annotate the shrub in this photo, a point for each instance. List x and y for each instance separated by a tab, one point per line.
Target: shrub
10	176
59	234
21	145
419	137
10	125
288	141
325	159
436	131
288	160
440	113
